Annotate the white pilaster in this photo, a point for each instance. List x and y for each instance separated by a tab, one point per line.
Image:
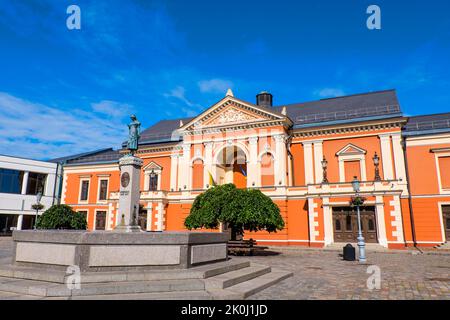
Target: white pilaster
185	167
24	183
318	156
399	160
327	221
19	222
208	162
280	160
161	217
149	216
397	221
311	218
381	223
386	156
309	169
173	172
252	165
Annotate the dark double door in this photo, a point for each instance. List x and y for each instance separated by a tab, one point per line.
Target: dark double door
345	224
446	220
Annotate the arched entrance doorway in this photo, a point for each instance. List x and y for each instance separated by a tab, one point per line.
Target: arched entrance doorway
231	166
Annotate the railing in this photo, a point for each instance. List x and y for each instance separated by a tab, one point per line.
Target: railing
429	125
348	114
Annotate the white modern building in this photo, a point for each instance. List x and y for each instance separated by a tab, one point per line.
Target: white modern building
20	182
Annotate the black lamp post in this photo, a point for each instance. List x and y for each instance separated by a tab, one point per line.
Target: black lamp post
324	168
376	162
361	243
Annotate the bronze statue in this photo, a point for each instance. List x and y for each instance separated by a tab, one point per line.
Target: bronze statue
133	134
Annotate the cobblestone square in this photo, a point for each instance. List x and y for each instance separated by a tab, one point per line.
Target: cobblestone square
322	274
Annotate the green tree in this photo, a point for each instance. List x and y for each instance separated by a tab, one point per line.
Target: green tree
61	216
240	209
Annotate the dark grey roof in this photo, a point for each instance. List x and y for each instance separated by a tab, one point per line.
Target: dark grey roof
427	124
353	107
94	157
379	104
161	131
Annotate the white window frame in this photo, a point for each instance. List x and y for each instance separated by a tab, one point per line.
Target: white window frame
157	169
80	189
100	178
440	204
359	155
94	225
438	155
362	166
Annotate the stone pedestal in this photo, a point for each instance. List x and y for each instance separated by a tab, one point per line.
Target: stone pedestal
130	171
114	251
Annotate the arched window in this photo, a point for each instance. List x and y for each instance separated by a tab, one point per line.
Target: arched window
267	170
197	174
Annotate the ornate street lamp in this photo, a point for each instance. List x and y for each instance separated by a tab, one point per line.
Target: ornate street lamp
324	168
38	203
376	162
357	200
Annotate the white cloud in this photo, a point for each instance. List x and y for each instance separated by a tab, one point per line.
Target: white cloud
329	93
38	131
179	93
112	108
215	85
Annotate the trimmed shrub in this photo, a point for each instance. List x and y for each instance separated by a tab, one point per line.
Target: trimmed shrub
240	209
61	216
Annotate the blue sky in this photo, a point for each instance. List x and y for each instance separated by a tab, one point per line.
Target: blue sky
67	91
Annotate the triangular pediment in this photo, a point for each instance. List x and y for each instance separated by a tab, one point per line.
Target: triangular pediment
350	149
152	166
231	111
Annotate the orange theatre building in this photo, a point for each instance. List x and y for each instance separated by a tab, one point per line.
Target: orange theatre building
304	156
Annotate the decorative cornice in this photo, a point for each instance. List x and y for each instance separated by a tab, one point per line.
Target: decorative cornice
157	148
130	160
238	127
235	103
311	132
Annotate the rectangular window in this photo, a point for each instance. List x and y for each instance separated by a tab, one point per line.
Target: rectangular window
153	182
100	220
36	183
444	168
352	169
84	190
11	181
103	190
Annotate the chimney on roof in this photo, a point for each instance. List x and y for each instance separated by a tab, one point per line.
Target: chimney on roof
264	99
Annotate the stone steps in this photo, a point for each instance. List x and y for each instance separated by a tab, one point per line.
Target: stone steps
245	289
48	289
58	276
232	278
185	295
226	280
